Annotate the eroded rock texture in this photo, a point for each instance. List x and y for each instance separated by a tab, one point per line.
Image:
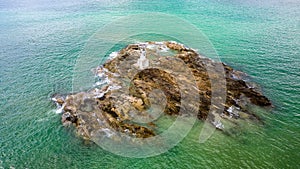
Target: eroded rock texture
166	81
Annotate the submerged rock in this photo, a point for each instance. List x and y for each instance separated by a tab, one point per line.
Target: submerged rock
133	92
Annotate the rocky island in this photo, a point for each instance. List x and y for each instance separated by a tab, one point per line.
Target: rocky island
143	81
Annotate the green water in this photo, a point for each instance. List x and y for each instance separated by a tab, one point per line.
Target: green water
40	42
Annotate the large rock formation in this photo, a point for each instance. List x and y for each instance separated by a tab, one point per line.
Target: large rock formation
156	76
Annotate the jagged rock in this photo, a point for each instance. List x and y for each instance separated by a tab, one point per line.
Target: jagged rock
116	103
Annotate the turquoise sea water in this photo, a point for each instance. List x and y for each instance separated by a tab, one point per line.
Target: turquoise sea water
40	42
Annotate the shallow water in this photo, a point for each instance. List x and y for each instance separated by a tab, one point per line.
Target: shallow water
40	42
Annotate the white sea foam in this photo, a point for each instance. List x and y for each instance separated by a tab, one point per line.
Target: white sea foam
113	55
158	46
98	93
159	43
218	124
175	42
233	111
151	46
102	82
114	87
164	48
60	110
107	132
234	77
230	109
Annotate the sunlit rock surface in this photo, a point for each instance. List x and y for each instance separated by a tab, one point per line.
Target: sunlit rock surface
137	82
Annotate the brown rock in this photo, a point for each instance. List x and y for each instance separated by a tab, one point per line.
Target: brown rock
115	109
